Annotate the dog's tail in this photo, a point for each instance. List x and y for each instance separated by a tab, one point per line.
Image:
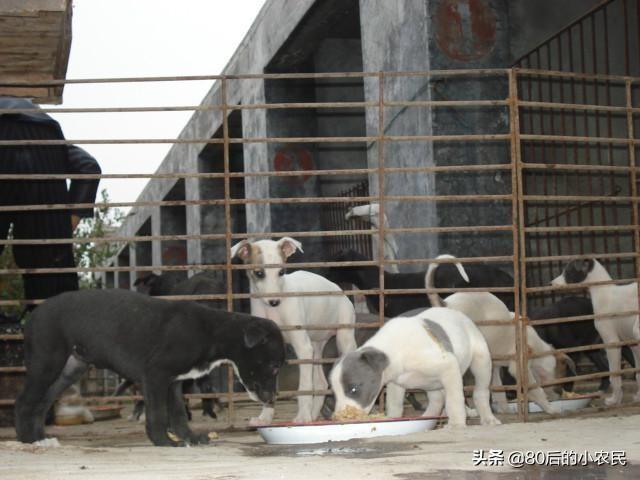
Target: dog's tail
429	279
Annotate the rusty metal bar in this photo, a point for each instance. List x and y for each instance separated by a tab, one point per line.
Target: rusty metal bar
579	378
579	139
585	348
575	106
302	294
581	286
576	198
262	201
256	76
585	256
249	266
578	76
599	228
227	227
219	236
578	167
218	141
263	106
633	179
519	250
381	194
284	173
580	318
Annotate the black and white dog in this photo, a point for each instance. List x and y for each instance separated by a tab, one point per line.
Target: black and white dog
609	300
151	341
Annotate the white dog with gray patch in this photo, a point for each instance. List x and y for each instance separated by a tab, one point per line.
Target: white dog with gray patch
429	351
297	310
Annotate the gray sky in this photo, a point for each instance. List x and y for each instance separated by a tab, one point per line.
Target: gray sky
142	38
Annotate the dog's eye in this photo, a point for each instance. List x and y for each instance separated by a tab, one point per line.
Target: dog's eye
281	272
259	273
353	389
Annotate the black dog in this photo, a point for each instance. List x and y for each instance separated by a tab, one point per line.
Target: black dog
447	276
151	341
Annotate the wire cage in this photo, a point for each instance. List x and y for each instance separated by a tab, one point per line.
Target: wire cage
516	181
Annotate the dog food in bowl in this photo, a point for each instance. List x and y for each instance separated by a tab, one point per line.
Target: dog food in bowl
349	413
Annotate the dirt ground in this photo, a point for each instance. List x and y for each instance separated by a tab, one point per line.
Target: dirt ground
119	449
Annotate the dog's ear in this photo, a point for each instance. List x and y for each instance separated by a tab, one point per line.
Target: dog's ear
565	366
587	265
241	250
377	359
254	335
288	246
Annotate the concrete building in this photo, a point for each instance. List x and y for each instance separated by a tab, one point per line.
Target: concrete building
349	36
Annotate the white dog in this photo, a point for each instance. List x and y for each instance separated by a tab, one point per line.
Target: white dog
501	339
297	310
429	351
609	299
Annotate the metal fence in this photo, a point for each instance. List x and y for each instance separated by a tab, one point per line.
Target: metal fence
552	173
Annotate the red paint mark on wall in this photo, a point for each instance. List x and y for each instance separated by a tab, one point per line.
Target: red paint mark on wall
291	159
465	29
174	254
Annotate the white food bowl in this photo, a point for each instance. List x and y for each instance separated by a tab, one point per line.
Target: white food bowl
565	404
327	431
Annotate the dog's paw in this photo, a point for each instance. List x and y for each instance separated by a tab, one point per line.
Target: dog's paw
258	422
51	442
471	412
302	418
553	409
198	439
490	421
613	400
171	440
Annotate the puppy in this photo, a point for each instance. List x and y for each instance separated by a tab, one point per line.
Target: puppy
296	310
501	340
429	351
151	341
609	299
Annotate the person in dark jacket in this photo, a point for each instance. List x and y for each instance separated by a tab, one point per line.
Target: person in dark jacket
32	158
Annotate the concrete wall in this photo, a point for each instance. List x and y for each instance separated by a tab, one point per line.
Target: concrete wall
395	37
485	43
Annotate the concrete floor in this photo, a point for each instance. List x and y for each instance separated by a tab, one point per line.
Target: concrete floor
120	449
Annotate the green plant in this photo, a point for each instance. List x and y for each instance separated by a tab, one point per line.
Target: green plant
11	287
96	254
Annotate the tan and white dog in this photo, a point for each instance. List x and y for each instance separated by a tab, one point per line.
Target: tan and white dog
297	310
609	299
428	351
501	339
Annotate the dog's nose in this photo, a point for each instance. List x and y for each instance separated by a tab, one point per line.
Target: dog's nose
274	303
